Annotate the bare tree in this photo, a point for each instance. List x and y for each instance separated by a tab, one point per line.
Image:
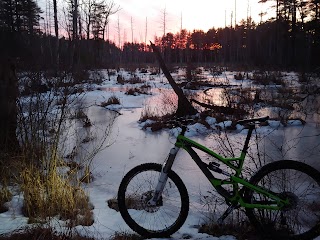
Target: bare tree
88	9
110	8
131	30
56	31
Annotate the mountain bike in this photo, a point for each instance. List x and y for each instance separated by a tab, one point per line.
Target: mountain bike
281	200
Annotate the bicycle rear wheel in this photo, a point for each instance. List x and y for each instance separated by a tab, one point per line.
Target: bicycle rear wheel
137	188
296	181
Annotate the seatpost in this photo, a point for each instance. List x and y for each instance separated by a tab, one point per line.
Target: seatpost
246	143
184	129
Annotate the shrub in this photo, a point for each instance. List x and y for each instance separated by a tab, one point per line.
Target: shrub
239	76
96	77
120	79
111	100
79	114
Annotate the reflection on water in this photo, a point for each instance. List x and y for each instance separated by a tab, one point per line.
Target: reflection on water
306	109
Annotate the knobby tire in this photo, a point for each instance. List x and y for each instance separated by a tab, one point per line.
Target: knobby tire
137	188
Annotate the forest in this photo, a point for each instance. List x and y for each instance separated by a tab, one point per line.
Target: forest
289	41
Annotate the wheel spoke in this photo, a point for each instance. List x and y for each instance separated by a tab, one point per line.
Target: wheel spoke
137	188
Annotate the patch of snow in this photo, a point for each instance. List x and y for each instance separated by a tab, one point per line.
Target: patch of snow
224	124
274	123
211	121
295	123
196	129
239	127
146	123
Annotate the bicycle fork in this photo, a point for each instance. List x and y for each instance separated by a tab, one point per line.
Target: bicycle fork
163	176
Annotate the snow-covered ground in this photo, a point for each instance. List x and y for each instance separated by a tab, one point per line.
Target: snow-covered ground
132	146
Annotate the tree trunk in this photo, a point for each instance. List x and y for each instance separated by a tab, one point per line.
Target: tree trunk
56	30
8	113
74	44
184	106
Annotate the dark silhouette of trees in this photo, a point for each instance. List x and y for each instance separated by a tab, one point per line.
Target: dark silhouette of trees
19	16
8	113
19	22
290	40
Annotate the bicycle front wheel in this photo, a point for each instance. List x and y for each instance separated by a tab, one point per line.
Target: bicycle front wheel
300	184
137	188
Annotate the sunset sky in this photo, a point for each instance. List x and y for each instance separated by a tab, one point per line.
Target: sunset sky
197	14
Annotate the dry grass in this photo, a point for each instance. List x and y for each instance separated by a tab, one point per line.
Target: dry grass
52	195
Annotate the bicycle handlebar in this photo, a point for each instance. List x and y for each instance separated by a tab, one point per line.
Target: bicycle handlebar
253	120
183	122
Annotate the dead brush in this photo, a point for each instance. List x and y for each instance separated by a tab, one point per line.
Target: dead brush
165	109
120	79
40	232
242	230
126	236
136	91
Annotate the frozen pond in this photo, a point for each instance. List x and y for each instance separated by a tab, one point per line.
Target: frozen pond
128	145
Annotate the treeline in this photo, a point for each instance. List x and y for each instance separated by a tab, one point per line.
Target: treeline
290	40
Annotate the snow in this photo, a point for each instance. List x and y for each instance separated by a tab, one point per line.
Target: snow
131	147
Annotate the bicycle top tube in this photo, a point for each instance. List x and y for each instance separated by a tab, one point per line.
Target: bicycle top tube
184	142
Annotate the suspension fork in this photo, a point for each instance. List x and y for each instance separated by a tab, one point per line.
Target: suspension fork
163	176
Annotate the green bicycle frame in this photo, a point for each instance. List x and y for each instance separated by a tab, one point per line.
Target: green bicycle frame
235	180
